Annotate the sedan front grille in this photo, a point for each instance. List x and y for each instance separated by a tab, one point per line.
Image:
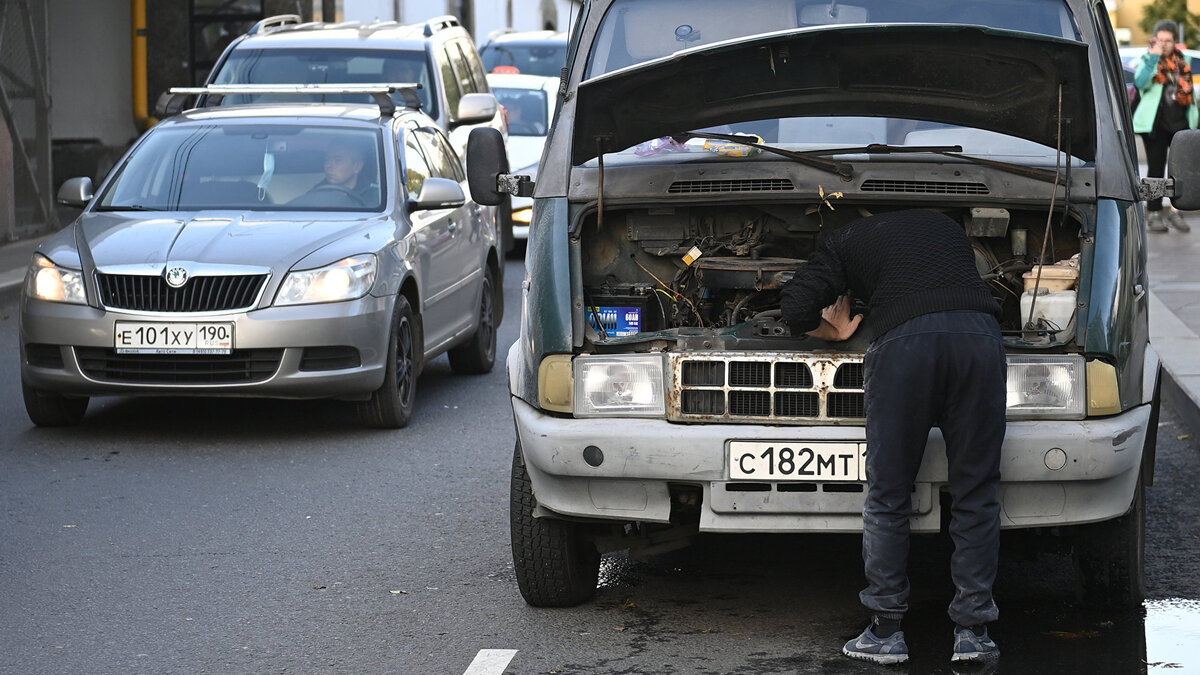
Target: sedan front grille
757	388
243	366
143	293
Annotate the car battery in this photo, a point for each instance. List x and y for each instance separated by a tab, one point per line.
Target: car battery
624	311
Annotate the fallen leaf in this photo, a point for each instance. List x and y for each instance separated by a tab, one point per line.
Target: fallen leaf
318	587
628	604
67	527
620	629
398	592
1183	437
709	630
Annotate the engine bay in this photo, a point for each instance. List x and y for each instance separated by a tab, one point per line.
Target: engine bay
697	269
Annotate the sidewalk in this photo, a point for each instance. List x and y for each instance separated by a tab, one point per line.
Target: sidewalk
1173	263
1174	271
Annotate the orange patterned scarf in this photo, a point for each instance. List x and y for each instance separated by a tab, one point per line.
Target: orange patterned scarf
1174	70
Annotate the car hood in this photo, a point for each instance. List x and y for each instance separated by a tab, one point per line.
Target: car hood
971	76
145	242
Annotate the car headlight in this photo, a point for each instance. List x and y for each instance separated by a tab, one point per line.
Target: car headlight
619	386
1046	387
47	281
345	279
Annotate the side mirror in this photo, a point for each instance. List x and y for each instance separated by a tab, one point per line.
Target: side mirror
476	108
486	161
76	192
1183	165
439	193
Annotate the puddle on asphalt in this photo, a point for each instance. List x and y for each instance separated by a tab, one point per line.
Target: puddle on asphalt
1172	634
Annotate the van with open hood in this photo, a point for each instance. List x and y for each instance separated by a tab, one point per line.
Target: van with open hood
700	153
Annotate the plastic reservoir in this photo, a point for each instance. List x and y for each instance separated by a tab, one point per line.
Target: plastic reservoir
1054	307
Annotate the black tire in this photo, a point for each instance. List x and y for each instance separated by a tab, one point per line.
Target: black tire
1110	558
556	565
479	355
48	409
391	406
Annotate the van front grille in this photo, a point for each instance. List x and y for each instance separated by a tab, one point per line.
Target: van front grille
758	388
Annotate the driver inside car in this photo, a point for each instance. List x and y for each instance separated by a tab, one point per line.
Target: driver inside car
344	177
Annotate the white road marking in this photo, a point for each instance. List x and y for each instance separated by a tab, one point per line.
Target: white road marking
490	662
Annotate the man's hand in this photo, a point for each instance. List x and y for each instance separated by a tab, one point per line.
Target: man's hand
836	323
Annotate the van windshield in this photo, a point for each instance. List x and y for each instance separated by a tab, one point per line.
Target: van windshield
329	65
636	31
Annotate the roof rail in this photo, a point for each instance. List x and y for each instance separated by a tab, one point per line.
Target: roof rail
172	101
272	23
438	23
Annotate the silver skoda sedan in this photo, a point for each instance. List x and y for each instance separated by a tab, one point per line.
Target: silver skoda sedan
282	250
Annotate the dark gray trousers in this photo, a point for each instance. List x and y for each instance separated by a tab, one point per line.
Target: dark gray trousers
947	370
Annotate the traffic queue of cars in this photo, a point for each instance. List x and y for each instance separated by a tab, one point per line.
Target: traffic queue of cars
304	232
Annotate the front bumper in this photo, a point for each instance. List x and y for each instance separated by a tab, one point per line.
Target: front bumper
362	324
644	458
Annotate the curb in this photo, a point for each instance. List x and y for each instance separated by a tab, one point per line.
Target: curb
1179	350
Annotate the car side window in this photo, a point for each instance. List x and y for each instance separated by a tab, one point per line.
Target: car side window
450	79
442	158
416	168
474	68
460	68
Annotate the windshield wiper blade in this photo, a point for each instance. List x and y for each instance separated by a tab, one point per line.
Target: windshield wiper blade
952	151
842	169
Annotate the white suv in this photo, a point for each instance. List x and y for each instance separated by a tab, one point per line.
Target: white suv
438	54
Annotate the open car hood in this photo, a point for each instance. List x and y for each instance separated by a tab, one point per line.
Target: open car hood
971	76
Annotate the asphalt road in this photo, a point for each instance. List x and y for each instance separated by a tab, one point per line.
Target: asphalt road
244	536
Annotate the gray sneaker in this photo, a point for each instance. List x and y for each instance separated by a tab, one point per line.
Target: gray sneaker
1155	222
867	647
1175	220
971	647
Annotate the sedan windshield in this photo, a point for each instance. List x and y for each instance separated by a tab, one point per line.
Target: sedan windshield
530	58
326	66
256	167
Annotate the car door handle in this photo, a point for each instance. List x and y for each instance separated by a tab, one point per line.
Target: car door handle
1138	291
453	228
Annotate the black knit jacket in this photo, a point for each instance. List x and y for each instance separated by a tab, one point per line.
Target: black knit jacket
903	264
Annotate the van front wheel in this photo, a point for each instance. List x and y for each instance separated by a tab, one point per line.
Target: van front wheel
556	564
1110	558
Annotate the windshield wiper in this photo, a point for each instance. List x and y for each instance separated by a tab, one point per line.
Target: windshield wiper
846	170
952	151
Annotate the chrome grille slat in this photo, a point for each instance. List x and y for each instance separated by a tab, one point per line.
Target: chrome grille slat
143	293
758	387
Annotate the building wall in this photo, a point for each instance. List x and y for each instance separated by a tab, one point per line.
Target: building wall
91	82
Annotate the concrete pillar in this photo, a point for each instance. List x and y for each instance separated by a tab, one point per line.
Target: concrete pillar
8	195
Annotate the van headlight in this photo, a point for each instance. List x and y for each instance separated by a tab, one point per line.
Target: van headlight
619	386
1046	387
47	281
345	279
